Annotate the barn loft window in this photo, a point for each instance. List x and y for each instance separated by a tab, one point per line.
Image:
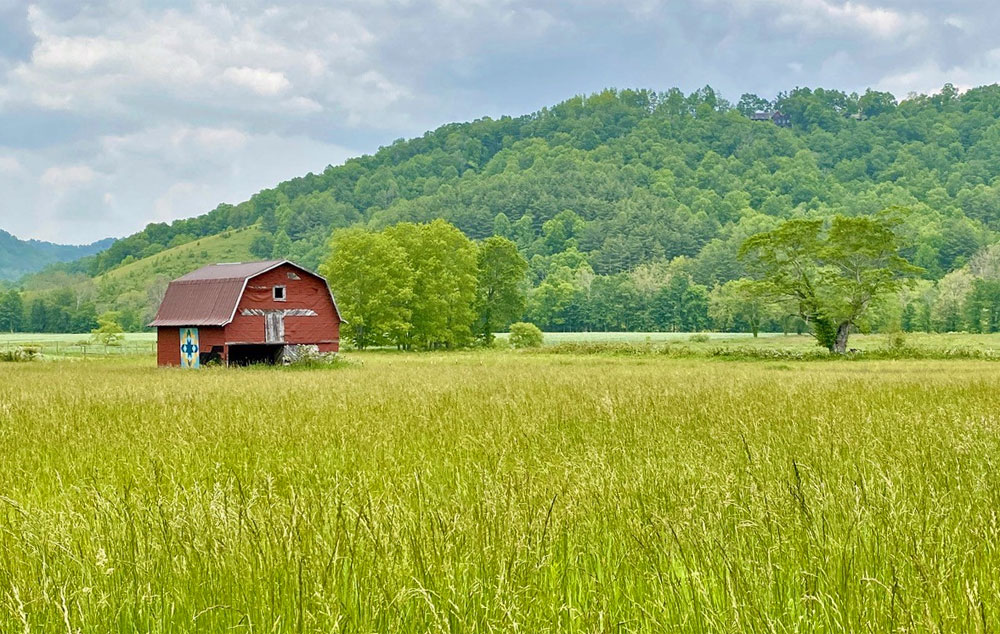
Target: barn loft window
279	293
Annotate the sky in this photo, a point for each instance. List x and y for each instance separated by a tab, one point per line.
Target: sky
117	114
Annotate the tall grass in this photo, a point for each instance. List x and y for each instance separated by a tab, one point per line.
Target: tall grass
501	492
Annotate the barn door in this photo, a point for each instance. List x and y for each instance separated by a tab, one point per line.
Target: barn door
274	327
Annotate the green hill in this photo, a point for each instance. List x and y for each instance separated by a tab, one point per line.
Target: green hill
613	194
136	288
20	257
228	246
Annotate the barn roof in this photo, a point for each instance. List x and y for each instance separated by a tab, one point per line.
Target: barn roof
210	295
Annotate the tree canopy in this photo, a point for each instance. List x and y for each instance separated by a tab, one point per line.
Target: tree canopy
614	196
830	273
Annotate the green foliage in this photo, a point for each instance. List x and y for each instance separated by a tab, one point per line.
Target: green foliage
109	331
500	297
982	306
525	335
743	304
371	277
20	257
19	354
443	262
599	187
11	311
681	306
832	274
410	285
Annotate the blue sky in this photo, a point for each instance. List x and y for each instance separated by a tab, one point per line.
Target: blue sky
116	114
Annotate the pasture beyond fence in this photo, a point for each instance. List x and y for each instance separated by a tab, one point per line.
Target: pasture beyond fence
81	347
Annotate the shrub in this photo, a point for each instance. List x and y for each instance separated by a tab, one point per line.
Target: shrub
23	353
525	335
699	338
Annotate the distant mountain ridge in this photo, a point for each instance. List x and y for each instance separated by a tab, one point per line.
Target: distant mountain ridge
20	257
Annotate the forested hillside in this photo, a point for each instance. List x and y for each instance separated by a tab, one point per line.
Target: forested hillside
631	205
20	257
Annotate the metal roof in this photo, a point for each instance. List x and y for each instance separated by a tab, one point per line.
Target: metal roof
210	295
230	271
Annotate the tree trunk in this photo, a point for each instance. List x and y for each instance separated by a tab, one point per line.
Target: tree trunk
840	345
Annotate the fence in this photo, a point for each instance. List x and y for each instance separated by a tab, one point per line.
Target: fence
83	348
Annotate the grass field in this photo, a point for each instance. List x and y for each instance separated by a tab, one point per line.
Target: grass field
498	491
79	345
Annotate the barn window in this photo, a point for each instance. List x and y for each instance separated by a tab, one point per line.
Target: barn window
279	293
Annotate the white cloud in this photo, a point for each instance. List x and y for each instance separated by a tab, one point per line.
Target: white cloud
819	16
302	105
260	80
10	165
215	138
64	176
930	76
209	58
115	113
178	201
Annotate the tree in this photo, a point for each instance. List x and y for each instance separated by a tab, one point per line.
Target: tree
874	103
11	310
262	246
373	283
983	306
443	261
38	316
525	335
742	302
500	297
109	331
949	309
750	103
282	246
681	305
831	274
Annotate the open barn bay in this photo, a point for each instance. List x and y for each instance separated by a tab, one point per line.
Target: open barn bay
501	492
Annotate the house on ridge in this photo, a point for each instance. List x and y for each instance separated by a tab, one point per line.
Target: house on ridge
242	313
776	117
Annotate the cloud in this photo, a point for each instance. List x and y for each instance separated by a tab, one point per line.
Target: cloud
113	114
260	80
10	165
64	176
212	57
930	76
822	15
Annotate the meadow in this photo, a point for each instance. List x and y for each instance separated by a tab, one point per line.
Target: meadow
500	491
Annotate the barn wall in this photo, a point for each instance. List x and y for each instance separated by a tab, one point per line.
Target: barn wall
168	342
308	292
168	346
208	337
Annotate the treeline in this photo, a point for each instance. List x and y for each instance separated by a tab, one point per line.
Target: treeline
57	312
650	175
424	285
641	199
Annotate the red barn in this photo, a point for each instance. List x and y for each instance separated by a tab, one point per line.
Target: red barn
248	312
